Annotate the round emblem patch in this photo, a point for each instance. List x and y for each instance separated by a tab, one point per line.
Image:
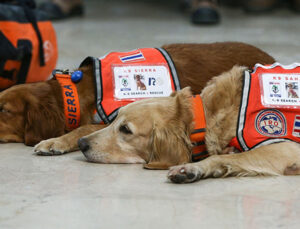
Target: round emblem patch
271	123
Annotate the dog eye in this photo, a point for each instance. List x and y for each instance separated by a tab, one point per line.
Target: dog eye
2	110
125	129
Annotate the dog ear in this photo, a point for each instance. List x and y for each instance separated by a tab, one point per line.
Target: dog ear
182	103
185	92
170	143
169	146
42	121
173	94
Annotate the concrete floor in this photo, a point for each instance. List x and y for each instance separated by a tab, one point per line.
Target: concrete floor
67	192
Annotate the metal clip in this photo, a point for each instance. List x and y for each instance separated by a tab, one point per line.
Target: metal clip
61	71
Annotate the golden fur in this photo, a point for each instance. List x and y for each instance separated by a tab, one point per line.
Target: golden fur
34	112
161	127
156	132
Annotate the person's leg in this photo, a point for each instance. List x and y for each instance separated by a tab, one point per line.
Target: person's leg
60	9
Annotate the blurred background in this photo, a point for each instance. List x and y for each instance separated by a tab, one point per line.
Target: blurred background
122	25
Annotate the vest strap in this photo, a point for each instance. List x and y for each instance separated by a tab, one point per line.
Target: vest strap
199	151
71	100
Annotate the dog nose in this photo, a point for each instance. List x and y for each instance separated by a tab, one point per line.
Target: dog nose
83	144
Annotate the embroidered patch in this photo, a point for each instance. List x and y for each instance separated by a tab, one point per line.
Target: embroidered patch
141	81
296	128
137	56
271	123
280	90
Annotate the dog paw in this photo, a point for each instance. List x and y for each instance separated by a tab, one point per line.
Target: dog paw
51	147
184	173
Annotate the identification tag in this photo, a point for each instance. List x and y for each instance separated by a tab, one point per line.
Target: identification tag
141	81
280	90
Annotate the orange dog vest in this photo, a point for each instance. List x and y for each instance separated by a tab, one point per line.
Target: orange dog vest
270	107
72	109
124	77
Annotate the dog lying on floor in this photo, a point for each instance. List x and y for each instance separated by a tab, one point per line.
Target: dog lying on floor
31	113
157	132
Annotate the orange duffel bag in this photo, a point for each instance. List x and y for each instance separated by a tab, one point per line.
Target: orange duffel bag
28	49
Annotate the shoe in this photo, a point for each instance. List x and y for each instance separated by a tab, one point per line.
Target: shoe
259	6
295	5
230	3
205	12
54	12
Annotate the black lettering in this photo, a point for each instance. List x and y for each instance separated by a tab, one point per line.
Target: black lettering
69	94
68	87
72	109
72	121
71	102
72	115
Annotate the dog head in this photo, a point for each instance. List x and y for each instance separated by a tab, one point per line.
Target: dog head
28	114
290	86
138	77
153	131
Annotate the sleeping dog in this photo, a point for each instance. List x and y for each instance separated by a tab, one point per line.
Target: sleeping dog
157	132
31	113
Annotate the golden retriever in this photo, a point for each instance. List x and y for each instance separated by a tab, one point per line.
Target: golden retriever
157	131
31	113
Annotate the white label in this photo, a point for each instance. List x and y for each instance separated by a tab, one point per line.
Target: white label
280	90
141	81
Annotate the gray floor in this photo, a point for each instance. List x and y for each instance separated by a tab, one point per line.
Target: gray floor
68	192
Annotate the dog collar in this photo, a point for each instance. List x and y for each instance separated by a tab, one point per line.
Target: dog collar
70	97
199	151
